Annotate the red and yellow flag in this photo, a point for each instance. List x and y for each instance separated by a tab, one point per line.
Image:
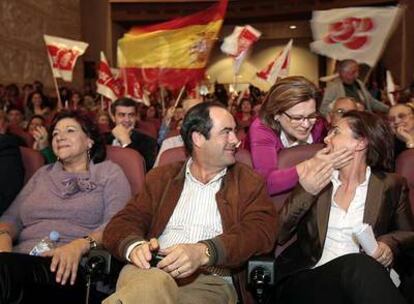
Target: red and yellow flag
174	53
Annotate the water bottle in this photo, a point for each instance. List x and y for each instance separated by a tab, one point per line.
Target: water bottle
46	244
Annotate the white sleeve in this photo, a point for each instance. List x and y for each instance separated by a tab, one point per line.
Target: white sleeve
131	247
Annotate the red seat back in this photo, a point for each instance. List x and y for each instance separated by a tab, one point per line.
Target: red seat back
172	155
404	165
179	154
28	139
131	162
148	128
291	157
32	161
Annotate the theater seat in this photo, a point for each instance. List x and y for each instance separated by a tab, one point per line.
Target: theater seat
404	165
27	138
32	160
148	128
291	157
131	162
179	154
172	155
244	157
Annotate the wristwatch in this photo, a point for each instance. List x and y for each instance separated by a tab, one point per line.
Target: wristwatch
92	242
208	253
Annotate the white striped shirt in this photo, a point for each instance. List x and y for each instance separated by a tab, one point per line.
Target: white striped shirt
196	216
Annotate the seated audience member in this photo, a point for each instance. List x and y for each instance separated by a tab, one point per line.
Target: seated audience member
37	104
339	107
15	117
36	128
206	217
287	118
326	264
104	121
76	197
152	115
5	129
401	118
124	111
244	117
171	121
11	166
12	96
176	141
348	85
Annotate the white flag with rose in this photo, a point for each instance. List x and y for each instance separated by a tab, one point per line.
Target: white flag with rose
63	54
239	42
358	33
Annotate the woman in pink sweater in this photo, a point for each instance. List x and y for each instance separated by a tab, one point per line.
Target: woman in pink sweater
288	117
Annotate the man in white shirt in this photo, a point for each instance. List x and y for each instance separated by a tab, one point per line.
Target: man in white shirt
205	217
124	134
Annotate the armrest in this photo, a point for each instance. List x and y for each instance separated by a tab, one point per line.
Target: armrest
261	276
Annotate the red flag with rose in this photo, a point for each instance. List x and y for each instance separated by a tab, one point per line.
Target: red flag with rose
63	54
358	33
108	85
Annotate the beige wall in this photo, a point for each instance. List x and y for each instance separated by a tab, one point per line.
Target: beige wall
303	63
398	56
23	23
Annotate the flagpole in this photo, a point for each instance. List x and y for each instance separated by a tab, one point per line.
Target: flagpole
59	101
179	96
368	75
162	100
102	103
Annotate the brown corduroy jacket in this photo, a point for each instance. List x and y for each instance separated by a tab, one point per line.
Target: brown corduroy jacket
248	216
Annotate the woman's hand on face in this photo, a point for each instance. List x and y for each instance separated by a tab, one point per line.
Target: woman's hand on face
65	260
313	175
384	254
338	159
41	138
404	135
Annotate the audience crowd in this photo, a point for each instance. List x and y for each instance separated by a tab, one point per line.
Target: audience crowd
351	180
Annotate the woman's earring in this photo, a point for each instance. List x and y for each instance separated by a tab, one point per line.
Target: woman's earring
89	154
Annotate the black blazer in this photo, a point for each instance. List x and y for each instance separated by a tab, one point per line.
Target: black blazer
144	144
11	170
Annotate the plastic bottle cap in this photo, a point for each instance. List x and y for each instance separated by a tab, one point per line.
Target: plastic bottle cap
54	236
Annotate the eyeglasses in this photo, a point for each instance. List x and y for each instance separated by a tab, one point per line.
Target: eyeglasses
339	112
400	116
298	119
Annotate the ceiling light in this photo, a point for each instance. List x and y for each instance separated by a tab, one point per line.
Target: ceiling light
292	27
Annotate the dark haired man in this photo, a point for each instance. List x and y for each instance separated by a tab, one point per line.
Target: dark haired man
206	217
124	112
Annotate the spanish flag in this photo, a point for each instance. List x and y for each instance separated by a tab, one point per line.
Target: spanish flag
171	54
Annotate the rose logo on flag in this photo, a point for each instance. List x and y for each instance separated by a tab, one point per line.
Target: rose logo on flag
66	58
353	33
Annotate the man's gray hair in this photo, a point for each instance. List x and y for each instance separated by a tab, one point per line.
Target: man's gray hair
344	64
